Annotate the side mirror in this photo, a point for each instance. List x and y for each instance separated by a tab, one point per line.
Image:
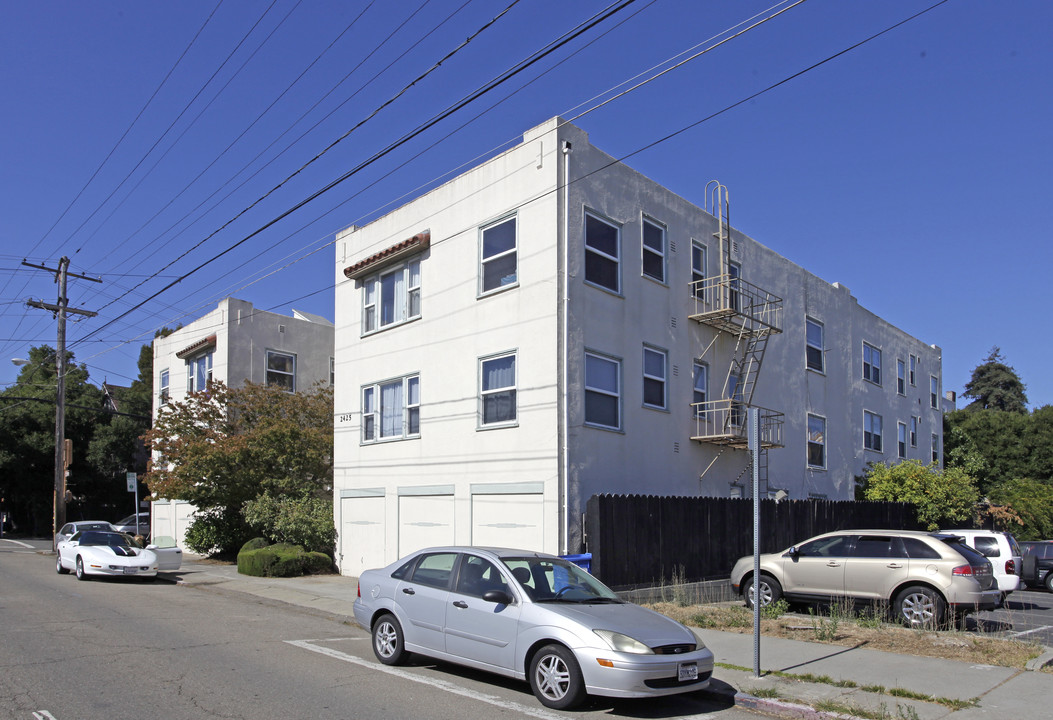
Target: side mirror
794	552
497	596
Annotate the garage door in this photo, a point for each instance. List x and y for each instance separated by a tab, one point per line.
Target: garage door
361	534
425	521
508	520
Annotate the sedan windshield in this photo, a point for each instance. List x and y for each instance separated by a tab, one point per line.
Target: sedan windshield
111	539
546	579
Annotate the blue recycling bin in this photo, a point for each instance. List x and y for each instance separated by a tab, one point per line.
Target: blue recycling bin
584	561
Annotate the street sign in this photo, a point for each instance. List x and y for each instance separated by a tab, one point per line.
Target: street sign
132	486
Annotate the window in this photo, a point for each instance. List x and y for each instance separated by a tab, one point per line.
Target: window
435	570
913	431
654	374
935	448
700	380
499	256
814	345
391	298
816	441
901	377
332	372
913	370
602	391
734	273
281	370
653	250
165	393
199	372
497	390
871	364
901	440
391	410
871	431
934	392
478	577
601	253
698	268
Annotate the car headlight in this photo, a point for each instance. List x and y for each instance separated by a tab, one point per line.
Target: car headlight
624	643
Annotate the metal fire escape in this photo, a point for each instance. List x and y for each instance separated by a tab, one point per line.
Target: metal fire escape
749	314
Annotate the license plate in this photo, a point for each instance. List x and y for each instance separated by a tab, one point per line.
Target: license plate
687	671
130	570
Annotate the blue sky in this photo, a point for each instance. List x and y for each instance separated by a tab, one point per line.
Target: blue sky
136	135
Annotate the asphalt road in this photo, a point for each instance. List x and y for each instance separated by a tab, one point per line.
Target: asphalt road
1027	615
130	649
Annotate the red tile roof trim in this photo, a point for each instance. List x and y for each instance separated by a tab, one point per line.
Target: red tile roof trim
417	243
200	345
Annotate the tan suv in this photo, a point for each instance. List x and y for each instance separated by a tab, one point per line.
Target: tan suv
922	576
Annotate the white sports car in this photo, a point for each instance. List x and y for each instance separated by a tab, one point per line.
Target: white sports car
96	552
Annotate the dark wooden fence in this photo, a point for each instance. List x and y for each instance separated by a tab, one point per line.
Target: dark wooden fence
646	539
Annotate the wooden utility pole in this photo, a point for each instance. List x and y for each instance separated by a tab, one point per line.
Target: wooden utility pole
60	309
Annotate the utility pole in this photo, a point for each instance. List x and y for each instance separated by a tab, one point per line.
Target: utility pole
58	518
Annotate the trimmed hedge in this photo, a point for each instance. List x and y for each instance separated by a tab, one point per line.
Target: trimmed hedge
281	560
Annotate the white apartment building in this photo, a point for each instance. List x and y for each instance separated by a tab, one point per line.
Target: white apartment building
552	325
235	344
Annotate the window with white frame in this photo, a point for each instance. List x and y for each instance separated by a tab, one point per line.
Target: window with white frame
165	392
198	372
332	371
500	261
913	370
871	364
934	392
734	283
655	364
816	442
391	409
814	357
602	391
935	448
871	431
391	297
901	377
698	268
901	440
914	431
602	253
700	381
281	370
653	250
497	390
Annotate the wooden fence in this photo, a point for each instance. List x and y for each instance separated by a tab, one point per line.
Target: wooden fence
646	539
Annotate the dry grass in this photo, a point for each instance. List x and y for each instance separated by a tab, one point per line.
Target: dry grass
845	628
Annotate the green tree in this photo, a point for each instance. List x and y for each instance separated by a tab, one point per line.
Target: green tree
222	448
1032	501
940	496
996	386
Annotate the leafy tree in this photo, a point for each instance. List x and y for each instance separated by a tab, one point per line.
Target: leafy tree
988	444
996	386
222	448
1032	501
940	496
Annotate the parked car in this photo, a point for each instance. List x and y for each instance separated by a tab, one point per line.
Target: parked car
1002	550
98	552
926	578
1037	564
528	616
128	524
67	530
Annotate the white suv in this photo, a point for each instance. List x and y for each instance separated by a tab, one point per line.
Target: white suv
1002	550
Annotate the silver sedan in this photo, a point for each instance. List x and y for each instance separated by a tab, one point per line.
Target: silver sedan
529	616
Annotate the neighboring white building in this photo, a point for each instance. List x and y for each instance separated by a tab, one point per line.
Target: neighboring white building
235	343
511	343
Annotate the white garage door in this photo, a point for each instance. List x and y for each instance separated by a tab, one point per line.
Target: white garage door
425	521
361	534
508	520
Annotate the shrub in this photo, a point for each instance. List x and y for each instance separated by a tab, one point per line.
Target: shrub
305	520
282	560
254	544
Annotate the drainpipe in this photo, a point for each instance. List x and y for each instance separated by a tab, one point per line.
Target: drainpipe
565	300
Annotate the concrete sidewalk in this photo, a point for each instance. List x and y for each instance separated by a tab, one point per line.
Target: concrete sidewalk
853	680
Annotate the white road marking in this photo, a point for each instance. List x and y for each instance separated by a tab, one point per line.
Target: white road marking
16	542
43	715
433	682
1032	630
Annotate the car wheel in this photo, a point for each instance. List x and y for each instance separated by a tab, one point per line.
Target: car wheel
556	678
81	575
388	643
918	606
770	591
1049	581
58	566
